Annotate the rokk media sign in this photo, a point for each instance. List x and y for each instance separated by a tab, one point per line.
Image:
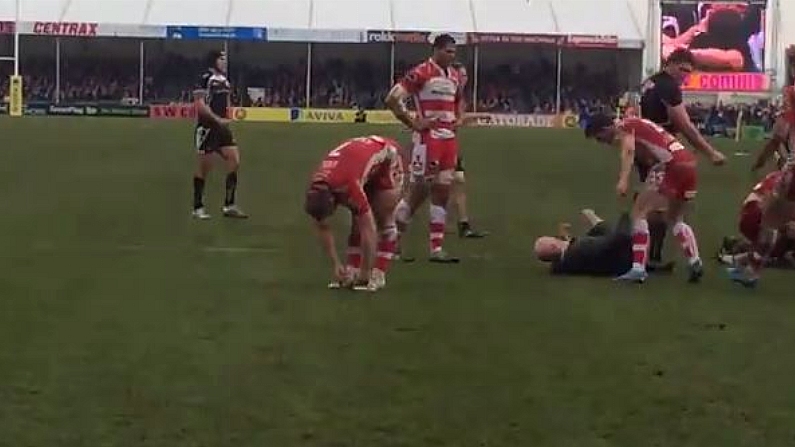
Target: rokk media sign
398	36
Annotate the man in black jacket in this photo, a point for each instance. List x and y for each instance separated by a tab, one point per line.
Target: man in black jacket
604	250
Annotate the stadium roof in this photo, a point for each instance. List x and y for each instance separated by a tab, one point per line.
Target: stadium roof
623	18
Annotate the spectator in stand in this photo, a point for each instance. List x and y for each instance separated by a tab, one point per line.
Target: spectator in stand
523	87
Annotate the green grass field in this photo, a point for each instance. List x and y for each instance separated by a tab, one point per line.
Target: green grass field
125	323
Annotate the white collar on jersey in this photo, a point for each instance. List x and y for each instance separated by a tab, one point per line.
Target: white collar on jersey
446	71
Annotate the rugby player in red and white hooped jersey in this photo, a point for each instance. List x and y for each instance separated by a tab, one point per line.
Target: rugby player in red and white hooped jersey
671	183
782	139
435	88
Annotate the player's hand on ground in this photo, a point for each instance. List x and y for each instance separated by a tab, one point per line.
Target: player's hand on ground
621	188
717	158
341	274
564	231
362	278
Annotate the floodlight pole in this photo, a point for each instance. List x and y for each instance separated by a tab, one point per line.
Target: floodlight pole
308	75
57	70
141	62
16	37
475	76
558	79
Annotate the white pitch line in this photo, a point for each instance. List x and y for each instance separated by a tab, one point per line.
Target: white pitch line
150	248
239	250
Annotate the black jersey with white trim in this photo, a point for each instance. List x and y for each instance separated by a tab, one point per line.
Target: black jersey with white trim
216	89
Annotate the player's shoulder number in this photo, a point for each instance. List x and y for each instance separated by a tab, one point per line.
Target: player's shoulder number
337	151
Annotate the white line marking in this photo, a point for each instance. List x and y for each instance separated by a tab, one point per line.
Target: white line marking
150	248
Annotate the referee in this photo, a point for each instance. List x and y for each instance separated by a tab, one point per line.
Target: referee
661	102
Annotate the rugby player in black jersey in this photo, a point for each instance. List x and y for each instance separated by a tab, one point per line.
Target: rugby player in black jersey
661	102
213	136
459	196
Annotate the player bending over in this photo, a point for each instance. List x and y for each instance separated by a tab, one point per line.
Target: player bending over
366	176
776	205
435	86
736	251
213	136
782	140
671	184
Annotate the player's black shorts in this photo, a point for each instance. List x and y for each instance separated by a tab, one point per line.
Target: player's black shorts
459	164
212	139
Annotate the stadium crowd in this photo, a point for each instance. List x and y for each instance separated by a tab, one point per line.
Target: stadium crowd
523	88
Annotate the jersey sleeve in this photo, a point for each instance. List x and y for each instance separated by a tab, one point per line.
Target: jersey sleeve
413	81
203	83
357	199
670	93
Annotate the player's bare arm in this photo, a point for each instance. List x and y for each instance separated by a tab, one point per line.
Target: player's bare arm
720	59
396	102
767	151
326	236
626	144
682	122
777	139
204	110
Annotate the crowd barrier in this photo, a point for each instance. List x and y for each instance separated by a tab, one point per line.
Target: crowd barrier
187	111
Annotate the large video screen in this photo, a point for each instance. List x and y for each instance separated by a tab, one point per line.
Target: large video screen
727	39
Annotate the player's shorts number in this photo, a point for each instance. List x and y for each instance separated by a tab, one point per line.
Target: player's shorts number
419	159
676	146
200	137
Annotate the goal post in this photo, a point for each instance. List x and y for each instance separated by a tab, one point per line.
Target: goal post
15	96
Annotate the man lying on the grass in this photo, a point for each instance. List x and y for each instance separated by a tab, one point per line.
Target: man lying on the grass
604	250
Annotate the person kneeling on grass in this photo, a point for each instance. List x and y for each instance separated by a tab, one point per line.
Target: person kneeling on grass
781	256
604	250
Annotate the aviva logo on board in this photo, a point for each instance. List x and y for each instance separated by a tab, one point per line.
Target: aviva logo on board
322	115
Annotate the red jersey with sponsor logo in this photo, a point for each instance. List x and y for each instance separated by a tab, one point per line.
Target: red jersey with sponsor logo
357	162
436	92
653	143
764	188
768	184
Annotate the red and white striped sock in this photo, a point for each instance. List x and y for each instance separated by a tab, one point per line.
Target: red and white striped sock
687	240
437	224
387	243
640	244
354	253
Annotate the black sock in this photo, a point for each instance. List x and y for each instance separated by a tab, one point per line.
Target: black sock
657	232
463	225
231	187
198	193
